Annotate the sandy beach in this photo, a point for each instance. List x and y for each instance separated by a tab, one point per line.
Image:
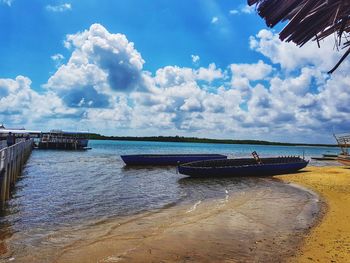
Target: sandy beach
329	241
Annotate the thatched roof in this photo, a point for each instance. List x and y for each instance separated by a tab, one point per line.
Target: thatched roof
309	20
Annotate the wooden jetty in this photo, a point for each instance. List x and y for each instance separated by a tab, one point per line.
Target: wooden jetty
12	160
58	139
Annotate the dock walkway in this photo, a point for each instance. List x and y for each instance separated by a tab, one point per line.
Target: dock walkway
12	160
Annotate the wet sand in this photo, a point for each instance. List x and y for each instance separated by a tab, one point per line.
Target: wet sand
329	241
255	226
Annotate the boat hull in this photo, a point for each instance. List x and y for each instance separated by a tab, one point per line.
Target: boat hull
323	158
168	159
243	167
344	159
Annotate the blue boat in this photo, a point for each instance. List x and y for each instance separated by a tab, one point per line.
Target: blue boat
243	167
168	159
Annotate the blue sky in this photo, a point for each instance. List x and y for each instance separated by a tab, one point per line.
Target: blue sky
164	32
140	67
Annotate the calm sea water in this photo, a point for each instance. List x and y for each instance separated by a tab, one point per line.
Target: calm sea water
61	189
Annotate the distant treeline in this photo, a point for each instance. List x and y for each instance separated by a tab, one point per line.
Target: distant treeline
95	136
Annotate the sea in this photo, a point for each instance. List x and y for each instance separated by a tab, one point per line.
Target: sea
74	189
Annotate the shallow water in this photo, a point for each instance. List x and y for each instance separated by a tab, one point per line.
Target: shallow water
73	191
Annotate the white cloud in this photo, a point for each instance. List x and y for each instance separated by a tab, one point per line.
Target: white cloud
256	71
101	64
258	99
7	2
57	58
20	104
209	74
244	9
195	58
170	76
234	12
59	8
214	20
248	9
191	104
103	85
290	56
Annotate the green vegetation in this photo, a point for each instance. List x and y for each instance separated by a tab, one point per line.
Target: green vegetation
95	136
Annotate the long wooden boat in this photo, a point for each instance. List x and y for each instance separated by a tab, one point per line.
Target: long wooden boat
344	159
330	155
168	159
324	158
243	167
343	141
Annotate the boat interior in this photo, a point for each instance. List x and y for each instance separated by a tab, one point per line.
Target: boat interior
244	161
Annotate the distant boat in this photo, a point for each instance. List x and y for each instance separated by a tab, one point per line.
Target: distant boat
343	159
326	157
343	141
168	159
243	167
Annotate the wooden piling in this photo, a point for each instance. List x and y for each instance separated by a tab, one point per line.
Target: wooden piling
12	160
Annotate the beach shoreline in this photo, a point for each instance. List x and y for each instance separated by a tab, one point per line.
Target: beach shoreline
329	239
263	224
308	224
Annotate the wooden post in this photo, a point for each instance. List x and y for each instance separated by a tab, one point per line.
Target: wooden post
3	173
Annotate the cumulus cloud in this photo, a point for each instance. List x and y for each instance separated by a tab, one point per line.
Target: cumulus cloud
6	2
59	8
302	101
100	65
257	71
248	9
19	103
285	96
170	76
57	58
234	12
209	74
214	20
290	56
244	9
195	58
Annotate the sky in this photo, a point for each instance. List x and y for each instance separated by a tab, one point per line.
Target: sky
159	67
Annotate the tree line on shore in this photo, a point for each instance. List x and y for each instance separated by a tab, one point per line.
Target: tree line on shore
95	136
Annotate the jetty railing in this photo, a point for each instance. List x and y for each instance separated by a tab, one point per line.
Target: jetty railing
12	160
3	144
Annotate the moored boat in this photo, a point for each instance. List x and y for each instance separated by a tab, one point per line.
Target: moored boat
168	159
329	155
343	141
324	158
343	159
243	167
